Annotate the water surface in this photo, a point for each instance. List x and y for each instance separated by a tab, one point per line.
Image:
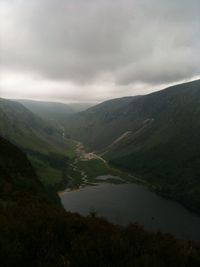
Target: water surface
126	203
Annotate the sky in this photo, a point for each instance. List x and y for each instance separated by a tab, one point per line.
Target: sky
93	50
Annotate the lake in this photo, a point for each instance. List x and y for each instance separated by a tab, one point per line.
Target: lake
124	203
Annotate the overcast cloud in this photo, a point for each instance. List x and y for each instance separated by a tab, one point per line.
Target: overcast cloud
91	50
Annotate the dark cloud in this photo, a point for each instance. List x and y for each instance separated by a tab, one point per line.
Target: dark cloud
86	42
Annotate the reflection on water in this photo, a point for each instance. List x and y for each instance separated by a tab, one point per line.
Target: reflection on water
126	203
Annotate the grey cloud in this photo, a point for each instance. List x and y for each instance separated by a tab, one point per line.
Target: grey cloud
148	41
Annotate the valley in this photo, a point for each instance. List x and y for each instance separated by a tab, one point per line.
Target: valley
151	139
99	133
94	186
155	137
127	160
85	168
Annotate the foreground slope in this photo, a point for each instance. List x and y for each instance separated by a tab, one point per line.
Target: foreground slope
155	136
16	172
36	232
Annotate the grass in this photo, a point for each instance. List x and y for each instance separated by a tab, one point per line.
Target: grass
96	167
46	174
75	179
50	176
71	148
93	167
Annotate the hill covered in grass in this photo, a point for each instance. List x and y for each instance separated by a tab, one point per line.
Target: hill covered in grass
37	232
154	136
42	141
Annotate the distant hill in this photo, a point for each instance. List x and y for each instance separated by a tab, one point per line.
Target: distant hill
54	110
37	232
155	136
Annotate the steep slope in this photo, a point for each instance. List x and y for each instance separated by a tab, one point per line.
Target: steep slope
42	142
162	115
155	136
99	125
36	232
167	153
22	127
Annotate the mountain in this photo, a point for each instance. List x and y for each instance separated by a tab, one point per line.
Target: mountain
155	136
41	140
53	111
37	232
99	125
22	126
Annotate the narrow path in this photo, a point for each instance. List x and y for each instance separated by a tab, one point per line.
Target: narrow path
75	168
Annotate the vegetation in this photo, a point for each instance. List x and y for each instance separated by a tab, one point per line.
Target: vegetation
42	141
156	137
96	167
93	167
36	231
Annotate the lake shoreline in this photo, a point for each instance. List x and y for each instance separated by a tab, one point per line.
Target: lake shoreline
83	157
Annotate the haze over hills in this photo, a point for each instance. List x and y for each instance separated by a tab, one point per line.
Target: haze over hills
154	136
53	110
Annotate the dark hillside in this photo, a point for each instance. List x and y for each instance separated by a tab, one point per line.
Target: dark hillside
35	232
99	126
16	172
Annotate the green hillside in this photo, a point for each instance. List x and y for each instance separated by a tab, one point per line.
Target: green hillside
37	232
155	136
42	141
